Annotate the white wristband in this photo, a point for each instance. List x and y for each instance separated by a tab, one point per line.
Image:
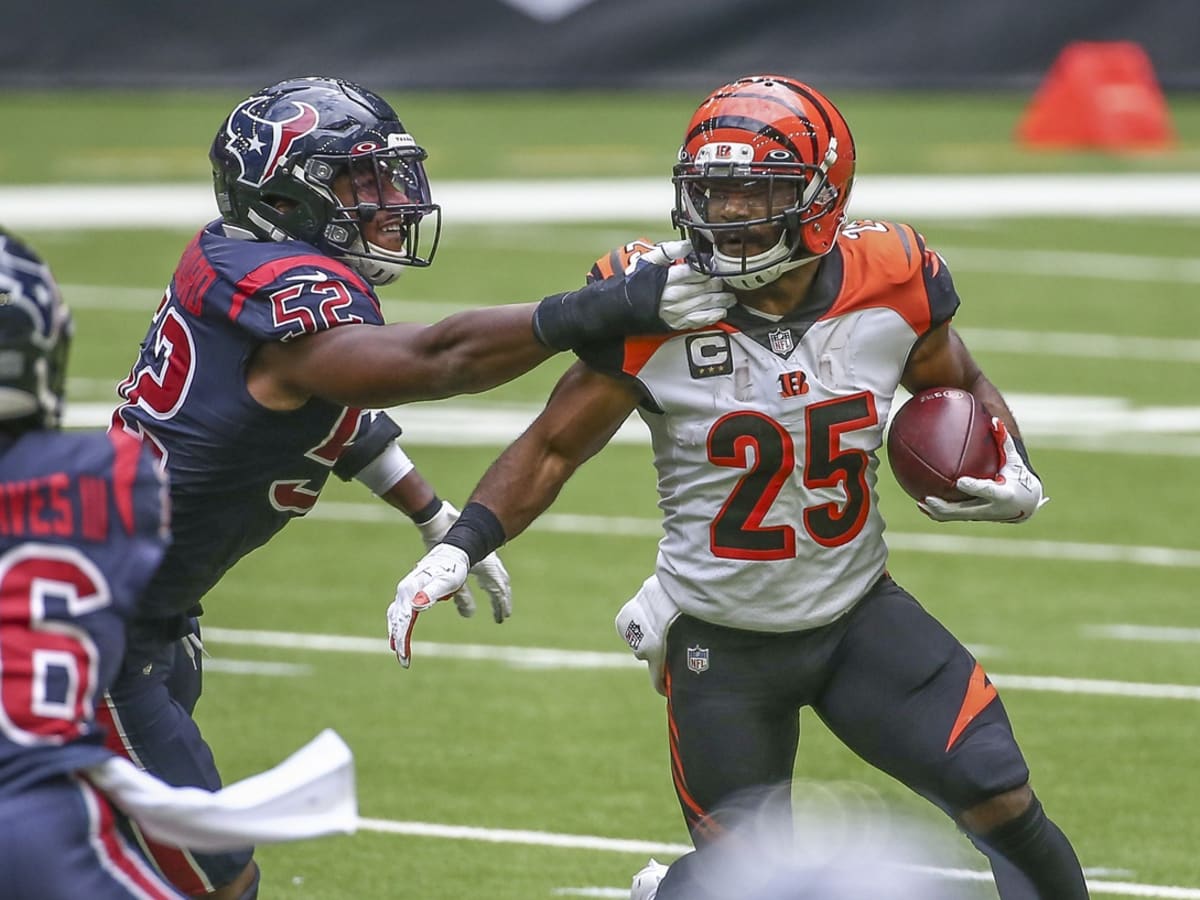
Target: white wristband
383	472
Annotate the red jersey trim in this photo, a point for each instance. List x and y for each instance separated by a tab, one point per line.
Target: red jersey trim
267	273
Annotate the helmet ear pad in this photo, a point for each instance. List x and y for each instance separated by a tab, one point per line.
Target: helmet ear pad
818	239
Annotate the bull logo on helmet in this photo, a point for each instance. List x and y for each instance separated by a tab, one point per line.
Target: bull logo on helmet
259	144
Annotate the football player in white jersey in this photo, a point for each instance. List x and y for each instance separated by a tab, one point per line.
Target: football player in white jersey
771	589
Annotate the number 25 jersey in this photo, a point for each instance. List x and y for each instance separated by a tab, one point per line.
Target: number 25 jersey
765	434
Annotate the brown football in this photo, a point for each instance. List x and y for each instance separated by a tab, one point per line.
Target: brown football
938	436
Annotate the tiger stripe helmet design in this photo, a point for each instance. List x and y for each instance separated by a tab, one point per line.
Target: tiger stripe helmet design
775	135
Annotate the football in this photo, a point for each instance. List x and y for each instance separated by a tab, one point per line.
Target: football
938	436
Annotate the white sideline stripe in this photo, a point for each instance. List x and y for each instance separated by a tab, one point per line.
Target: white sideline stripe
1086	346
250	667
531	838
1096	687
1072	264
959	545
1088	423
972	197
522	657
1159	633
653	848
1052	550
543	658
1039	343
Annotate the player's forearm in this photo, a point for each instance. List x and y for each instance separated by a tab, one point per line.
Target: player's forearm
412	494
381	366
477	350
522	484
993	401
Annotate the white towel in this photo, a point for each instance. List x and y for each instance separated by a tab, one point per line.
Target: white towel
310	793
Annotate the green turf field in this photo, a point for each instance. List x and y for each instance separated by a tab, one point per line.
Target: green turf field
505	743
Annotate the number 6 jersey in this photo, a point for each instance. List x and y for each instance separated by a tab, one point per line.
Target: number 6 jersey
83	526
765	434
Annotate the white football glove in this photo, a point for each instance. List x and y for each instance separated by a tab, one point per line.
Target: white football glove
1014	495
492	575
439	574
690	299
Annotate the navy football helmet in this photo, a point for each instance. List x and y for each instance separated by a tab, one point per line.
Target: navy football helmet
282	156
35	336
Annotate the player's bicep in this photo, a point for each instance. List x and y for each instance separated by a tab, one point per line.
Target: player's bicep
352	365
939	359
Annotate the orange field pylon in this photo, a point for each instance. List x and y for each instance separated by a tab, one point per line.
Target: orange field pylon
1099	95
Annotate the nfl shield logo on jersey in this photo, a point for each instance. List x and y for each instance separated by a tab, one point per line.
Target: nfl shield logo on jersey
781	341
697	658
634	636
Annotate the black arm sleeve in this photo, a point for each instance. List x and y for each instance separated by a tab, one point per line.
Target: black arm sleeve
376	437
601	310
477	532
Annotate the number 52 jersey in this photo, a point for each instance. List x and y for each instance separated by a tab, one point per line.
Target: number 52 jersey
766	432
239	471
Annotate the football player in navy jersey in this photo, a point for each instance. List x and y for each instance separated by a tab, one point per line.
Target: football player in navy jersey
83	526
771	590
266	354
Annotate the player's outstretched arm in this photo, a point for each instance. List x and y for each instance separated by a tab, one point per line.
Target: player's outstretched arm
375	366
583	414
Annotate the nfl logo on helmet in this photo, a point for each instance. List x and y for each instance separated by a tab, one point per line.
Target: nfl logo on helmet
259	143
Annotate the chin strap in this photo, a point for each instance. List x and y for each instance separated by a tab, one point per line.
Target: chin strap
729	268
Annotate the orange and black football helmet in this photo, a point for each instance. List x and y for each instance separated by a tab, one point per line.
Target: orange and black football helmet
788	144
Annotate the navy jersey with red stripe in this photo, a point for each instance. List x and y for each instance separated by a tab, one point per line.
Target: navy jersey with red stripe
83	526
238	471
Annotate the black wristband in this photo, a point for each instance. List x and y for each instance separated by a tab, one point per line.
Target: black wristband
602	310
477	532
427	512
376	438
1024	454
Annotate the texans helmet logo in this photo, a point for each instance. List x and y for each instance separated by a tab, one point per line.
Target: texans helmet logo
260	144
26	284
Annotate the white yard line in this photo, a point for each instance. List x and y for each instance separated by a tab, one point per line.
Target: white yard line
253	667
1073	264
549	658
971	197
1084	423
1150	633
1082	345
652	848
954	544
